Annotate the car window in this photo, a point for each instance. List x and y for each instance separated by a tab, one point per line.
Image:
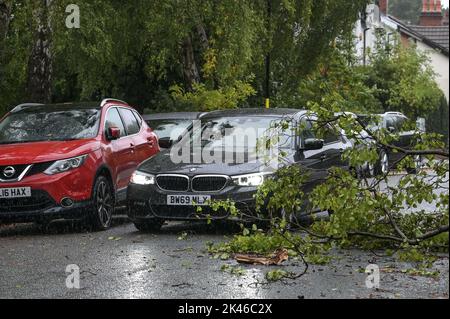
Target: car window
113	120
169	128
138	118
46	124
241	133
400	123
330	134
390	122
131	124
306	129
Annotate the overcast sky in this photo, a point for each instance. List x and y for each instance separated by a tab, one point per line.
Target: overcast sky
445	3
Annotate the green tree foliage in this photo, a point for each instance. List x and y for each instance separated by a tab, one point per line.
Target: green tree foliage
339	79
403	80
406	10
139	50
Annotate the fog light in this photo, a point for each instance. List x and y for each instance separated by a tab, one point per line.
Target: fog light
66	202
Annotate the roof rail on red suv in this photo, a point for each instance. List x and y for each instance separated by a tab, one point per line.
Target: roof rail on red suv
23	106
106	100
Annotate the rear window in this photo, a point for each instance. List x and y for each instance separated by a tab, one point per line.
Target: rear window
49	125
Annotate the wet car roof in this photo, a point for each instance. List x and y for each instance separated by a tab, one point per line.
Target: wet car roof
254	112
173	116
59	107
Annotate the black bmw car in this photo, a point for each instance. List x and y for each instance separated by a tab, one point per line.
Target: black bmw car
218	164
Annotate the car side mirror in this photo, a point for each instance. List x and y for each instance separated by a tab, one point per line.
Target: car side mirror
113	133
391	129
313	144
165	142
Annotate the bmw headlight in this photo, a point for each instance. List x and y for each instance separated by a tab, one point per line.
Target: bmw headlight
65	165
141	178
256	179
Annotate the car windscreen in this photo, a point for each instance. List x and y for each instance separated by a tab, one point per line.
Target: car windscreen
371	123
49	125
169	128
242	132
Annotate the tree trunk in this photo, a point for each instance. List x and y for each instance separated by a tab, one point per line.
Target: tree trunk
190	69
5	18
201	32
40	68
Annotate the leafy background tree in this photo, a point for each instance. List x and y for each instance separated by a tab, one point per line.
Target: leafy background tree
406	10
146	50
203	55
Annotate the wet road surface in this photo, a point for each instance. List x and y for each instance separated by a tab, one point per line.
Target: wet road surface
124	263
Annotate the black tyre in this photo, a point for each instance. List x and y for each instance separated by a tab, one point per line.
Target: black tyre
103	204
149	225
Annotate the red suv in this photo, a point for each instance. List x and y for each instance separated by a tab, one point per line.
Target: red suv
70	161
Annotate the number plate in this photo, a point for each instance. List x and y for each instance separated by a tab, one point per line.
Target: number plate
16	192
188	200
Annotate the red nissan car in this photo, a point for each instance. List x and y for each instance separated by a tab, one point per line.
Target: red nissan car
70	161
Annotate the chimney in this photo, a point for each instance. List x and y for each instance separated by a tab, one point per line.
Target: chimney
445	20
384	6
431	13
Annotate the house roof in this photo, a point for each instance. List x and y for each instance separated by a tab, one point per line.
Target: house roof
435	34
435	37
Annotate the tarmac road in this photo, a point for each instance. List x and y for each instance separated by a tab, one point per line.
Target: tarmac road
123	263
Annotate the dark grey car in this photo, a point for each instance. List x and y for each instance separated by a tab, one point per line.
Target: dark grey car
394	123
170	126
162	189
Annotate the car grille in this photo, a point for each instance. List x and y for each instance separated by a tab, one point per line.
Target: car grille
39	200
18	170
208	183
38	168
173	182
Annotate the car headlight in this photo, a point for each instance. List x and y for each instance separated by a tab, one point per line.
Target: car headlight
65	165
141	178
255	179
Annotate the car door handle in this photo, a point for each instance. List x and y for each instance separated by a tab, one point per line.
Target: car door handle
132	147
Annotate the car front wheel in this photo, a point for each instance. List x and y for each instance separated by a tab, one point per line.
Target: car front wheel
103	204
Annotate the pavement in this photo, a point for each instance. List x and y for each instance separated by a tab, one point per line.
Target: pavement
125	263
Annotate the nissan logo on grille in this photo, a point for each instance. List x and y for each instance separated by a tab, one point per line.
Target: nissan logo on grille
9	172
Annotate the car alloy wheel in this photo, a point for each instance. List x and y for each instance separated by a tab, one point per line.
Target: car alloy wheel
418	162
371	169
384	163
103	203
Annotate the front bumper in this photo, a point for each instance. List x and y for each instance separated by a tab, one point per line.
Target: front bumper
41	209
47	193
146	202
